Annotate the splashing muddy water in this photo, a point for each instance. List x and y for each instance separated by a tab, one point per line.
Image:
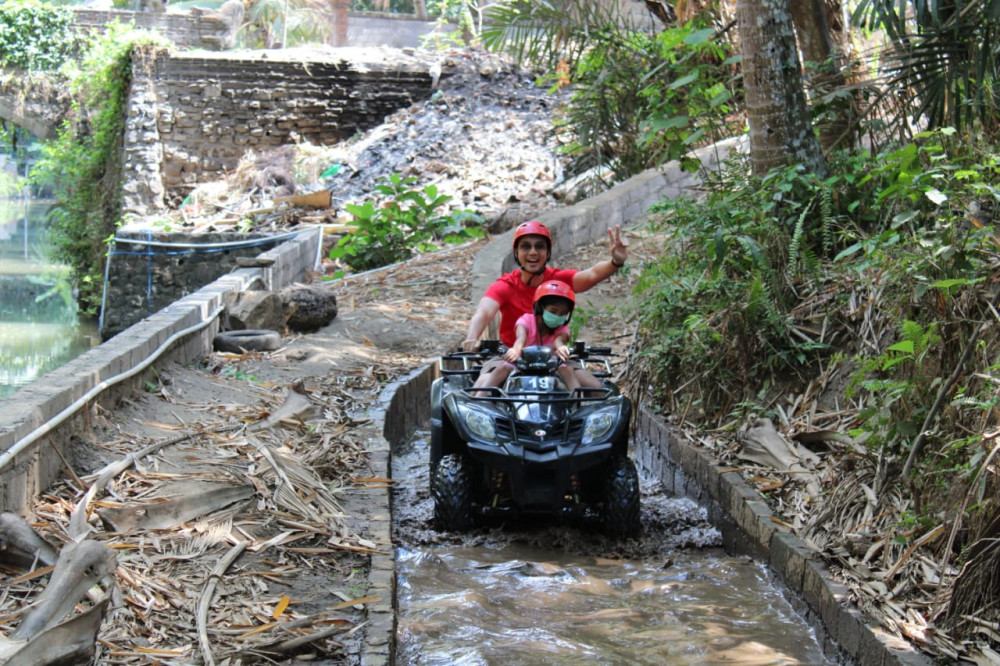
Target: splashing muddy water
560	594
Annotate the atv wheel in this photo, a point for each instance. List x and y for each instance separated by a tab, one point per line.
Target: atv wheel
620	513
451	486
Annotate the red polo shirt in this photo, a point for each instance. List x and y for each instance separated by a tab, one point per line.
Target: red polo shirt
516	298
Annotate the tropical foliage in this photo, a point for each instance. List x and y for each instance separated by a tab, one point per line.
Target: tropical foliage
725	305
35	36
947	54
400	220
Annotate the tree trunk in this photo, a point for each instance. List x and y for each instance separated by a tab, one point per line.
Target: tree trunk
780	130
816	42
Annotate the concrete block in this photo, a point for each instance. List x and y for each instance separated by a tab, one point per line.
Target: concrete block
756	522
850	629
788	559
707	474
821	593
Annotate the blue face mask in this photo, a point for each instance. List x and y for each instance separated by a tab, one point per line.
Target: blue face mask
553	321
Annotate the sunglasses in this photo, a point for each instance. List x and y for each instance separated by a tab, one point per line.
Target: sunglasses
537	247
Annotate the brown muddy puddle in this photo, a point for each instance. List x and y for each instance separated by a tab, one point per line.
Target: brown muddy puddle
559	594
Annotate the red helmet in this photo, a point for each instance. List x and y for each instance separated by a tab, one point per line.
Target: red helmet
555	288
532	228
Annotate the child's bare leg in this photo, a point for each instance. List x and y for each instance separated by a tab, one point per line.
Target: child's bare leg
585	378
495	377
568	375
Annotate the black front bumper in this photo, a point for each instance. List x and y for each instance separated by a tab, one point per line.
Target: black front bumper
540	475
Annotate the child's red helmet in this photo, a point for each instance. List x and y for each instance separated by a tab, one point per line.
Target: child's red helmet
532	228
555	288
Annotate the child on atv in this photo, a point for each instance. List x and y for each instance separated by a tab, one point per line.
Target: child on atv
546	325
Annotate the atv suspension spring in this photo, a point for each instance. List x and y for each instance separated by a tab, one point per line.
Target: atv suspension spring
574	486
496	480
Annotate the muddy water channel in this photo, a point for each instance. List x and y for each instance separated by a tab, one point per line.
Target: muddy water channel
549	594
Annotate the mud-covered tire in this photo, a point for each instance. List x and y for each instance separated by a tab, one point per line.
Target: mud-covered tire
247	340
451	487
620	508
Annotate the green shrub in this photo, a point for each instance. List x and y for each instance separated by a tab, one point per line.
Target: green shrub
726	307
35	36
877	274
401	221
82	165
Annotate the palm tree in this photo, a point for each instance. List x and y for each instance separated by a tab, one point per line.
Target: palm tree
781	130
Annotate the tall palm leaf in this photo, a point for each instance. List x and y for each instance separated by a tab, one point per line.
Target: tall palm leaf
947	52
543	33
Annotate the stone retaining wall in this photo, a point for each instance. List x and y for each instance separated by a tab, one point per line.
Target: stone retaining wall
192	117
195	29
147	270
24	413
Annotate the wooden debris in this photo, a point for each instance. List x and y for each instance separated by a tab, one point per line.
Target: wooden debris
20	544
167	513
80	566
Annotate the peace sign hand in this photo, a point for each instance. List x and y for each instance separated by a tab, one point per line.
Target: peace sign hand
619	250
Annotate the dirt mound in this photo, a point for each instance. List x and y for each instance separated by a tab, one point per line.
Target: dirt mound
485	138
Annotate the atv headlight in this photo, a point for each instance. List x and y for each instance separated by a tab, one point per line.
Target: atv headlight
598	425
479	423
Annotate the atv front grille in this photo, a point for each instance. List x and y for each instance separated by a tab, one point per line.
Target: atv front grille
527	432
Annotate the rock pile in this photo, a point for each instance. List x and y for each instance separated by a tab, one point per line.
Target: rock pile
484	138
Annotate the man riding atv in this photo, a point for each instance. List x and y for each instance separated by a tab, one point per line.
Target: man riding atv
527	444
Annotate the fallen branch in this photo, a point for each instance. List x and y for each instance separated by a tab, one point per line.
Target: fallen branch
206	599
945	389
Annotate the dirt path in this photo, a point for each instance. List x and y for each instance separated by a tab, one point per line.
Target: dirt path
314	489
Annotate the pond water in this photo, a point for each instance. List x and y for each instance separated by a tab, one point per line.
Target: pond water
40	326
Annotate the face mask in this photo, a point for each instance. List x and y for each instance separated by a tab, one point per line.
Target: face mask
553	321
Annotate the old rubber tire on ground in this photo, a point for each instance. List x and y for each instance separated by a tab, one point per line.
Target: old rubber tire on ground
620	511
451	487
247	340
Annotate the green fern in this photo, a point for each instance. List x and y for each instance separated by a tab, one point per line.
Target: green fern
826	218
795	244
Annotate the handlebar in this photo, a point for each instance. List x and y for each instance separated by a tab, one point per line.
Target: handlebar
580	350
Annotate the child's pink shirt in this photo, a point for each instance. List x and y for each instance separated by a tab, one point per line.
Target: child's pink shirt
531	325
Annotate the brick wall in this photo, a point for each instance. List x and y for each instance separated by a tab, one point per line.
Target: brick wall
195	29
149	270
193	116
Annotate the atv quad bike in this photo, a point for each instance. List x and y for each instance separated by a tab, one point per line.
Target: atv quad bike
530	447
